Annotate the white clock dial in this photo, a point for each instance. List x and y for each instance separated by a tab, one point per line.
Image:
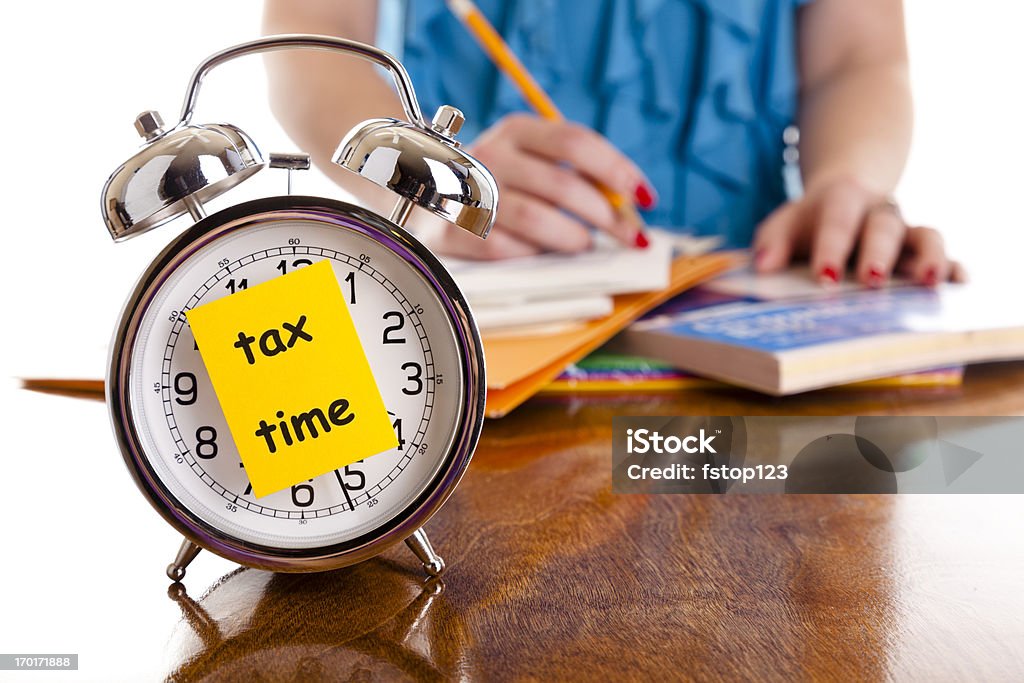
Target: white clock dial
412	348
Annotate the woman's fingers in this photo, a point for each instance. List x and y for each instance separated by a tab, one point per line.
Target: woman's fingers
777	239
548	169
838	224
452	241
844	219
924	259
880	245
587	151
562	187
531	219
957	272
526	226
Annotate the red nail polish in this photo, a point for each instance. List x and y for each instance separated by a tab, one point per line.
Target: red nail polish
641	241
759	255
931	277
644	196
828	273
876	278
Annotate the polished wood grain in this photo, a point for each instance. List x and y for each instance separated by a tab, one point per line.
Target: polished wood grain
553	577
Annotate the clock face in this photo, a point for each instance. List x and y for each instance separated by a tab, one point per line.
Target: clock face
410	340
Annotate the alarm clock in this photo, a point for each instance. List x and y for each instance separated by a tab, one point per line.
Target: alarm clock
414	324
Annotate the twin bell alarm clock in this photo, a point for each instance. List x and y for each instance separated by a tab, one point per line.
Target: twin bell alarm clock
296	383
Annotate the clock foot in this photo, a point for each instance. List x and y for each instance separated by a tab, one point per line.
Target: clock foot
419	544
186	553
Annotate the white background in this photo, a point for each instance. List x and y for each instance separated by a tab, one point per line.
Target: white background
74	76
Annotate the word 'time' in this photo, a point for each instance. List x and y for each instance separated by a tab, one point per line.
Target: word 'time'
337	415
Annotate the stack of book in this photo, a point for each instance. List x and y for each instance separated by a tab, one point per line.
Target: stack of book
514	295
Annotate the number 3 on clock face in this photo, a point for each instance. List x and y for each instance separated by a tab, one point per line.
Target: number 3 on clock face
418	337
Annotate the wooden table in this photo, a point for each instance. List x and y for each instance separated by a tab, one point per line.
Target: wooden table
553	577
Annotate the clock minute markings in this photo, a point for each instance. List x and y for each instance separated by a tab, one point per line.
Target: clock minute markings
344	475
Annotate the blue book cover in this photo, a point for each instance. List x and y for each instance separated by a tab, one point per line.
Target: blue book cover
826	338
779	326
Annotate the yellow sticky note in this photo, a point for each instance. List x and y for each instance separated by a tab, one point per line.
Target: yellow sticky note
292	378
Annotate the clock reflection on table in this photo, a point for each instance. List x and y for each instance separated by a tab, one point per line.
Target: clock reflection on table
378	617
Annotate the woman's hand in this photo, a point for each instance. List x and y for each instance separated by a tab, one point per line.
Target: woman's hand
547	172
840	222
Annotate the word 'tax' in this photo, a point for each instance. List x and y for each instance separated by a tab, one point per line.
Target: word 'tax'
271	343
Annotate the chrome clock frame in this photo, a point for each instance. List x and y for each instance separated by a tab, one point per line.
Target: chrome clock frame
406	526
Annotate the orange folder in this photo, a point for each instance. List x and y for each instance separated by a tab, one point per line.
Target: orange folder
520	366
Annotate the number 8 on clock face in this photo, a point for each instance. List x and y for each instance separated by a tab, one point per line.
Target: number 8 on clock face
412	323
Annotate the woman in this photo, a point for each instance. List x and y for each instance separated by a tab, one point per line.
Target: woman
679	104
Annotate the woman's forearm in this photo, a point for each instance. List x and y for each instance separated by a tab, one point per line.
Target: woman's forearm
855	107
857	125
317	96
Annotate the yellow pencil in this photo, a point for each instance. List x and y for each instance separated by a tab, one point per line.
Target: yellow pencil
501	54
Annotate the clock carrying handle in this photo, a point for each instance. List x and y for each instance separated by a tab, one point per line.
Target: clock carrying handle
311	42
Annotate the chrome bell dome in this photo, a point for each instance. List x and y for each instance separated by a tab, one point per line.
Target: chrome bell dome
424	166
175	173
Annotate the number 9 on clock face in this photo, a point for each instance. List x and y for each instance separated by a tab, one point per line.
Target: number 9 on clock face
419	339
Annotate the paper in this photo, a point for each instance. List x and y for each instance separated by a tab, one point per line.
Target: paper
607	269
292	378
534	313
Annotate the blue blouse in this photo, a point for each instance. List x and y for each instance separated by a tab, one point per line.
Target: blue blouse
696	92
